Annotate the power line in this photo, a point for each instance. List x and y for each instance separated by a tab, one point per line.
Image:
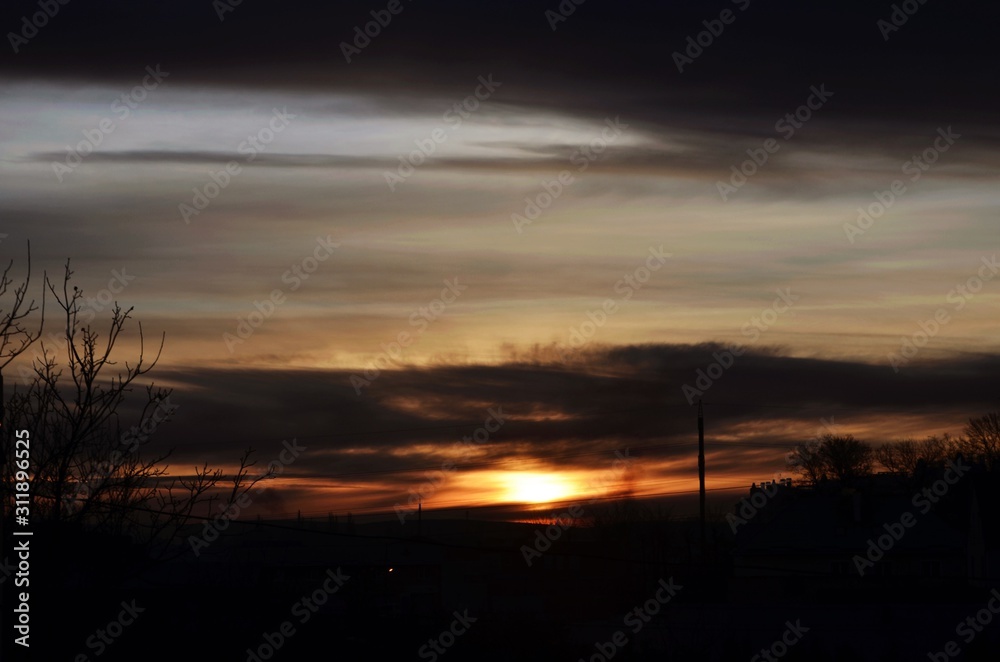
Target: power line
399	539
478	548
550	505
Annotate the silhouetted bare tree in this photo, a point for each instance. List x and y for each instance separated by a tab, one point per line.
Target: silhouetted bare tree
86	466
903	458
835	457
981	440
16	336
899	457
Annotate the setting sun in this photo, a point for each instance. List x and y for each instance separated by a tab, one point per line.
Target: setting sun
525	487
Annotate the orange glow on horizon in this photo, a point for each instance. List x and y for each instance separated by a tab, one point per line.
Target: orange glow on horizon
536	487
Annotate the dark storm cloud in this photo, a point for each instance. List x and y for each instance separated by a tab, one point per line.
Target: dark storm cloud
572	415
605	58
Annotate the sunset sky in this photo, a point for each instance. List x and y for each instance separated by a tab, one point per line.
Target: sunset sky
370	277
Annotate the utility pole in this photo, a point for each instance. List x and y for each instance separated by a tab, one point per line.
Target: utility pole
701	473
